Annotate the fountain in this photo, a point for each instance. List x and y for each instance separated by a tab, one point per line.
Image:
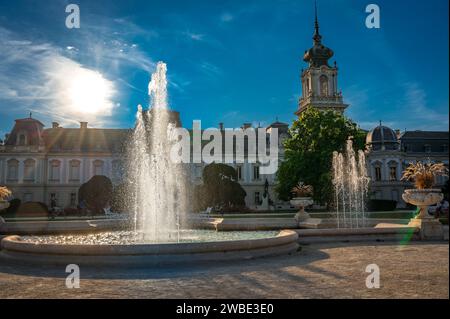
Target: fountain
158	186
351	183
158	203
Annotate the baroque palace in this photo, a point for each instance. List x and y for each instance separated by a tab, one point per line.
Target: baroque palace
40	164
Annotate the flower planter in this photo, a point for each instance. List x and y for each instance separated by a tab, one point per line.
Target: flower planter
301	203
423	198
430	227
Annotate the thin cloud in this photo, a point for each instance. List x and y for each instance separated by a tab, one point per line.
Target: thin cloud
195	36
37	77
210	69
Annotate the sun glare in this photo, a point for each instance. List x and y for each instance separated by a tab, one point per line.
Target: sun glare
90	92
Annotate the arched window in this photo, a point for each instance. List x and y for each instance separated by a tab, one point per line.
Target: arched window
74	170
13	170
393	171
55	170
29	169
323	85
377	171
98	167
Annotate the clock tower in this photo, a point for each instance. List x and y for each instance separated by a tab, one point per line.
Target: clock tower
319	80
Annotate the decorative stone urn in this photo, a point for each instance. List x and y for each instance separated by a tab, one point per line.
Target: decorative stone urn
301	203
4	204
430	227
423	198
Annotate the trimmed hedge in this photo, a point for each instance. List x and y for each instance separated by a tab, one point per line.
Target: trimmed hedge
377	205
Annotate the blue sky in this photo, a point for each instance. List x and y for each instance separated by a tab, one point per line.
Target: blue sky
228	61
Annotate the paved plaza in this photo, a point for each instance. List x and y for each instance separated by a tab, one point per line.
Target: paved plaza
416	270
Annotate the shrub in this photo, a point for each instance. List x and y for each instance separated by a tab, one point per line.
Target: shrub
220	189
97	193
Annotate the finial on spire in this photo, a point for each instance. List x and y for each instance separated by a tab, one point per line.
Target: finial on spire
315	15
317	37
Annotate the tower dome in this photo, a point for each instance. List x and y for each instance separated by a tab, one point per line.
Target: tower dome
319	54
382	138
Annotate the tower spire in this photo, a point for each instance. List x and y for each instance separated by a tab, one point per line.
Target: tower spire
317	37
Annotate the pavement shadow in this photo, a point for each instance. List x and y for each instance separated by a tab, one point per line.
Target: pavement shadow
299	258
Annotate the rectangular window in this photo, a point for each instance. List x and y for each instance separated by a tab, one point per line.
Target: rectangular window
28	197
257	198
29	171
13	172
393	173
98	167
73	199
239	172
378	173
54	170
256	173
74	171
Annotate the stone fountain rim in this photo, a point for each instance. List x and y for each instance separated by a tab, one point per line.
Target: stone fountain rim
14	244
424	190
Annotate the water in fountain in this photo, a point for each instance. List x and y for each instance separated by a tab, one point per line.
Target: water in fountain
350	182
157	185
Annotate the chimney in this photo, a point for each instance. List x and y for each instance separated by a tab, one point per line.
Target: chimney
246	125
55	124
221	126
83	125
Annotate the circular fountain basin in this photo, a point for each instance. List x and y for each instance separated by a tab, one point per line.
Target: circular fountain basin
83	250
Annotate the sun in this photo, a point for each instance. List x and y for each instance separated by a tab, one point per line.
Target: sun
89	92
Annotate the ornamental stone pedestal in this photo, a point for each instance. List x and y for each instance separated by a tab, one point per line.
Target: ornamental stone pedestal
430	227
4	204
301	203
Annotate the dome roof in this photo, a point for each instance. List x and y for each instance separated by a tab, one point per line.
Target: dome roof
319	54
382	137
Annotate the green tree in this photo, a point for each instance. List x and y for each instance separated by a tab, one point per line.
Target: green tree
220	188
314	136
